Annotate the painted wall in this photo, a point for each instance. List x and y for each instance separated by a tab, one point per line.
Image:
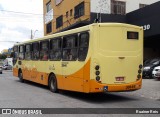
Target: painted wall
62	8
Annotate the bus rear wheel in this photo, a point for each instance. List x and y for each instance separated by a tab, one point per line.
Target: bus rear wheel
53	83
20	75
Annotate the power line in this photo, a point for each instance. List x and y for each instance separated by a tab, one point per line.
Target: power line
24	13
20	12
11	41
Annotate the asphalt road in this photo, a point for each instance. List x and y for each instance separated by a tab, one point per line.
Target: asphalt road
14	94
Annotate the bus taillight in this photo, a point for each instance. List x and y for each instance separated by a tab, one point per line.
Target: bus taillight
97	72
139	72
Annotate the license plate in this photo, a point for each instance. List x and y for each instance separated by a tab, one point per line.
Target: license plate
121	78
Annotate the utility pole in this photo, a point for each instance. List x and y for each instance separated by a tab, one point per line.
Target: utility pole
103	9
31	35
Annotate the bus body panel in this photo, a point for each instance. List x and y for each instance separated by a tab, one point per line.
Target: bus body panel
117	56
15	72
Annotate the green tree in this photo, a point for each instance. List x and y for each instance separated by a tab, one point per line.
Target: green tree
3	56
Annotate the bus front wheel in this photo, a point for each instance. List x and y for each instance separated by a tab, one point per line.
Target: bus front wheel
20	75
53	83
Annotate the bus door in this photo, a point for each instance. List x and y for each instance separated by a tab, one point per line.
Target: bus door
74	60
71	67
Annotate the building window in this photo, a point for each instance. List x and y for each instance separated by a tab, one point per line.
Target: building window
71	12
79	10
58	2
67	14
49	27
118	7
48	6
59	21
142	5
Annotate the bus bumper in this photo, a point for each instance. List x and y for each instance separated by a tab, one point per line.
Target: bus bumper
15	72
98	87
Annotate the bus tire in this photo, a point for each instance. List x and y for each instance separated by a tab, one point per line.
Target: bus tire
53	83
20	75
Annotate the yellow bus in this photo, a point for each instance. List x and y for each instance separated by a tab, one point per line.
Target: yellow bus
101	57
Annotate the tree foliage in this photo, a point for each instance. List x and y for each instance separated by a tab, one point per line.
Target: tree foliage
3	56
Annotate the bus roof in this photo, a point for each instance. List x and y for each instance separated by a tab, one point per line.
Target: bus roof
76	30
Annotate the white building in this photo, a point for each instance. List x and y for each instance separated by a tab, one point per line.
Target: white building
118	6
8	61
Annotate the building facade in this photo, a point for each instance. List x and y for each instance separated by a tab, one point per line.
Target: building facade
61	15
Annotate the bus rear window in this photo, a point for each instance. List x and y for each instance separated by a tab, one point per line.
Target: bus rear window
132	35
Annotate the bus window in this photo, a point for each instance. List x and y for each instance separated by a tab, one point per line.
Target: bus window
28	52
83	46
35	53
70	48
21	52
55	49
15	54
44	47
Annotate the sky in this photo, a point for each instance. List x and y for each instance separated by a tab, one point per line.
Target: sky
17	19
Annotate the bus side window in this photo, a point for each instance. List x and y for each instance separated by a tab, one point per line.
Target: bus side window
44	48
70	48
55	49
35	52
21	52
83	46
28	53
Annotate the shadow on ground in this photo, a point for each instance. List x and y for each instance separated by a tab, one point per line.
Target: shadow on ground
99	97
93	97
